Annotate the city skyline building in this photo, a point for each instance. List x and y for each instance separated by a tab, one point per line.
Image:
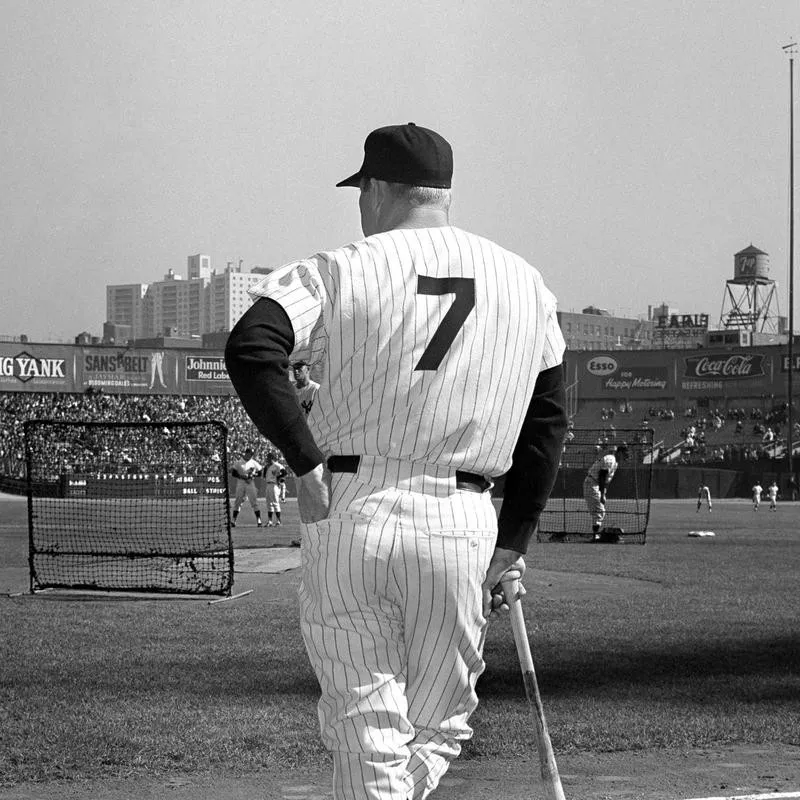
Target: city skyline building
598	329
227	297
198	266
203	302
175	305
125	307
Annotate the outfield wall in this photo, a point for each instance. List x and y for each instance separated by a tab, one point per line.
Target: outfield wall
140	485
108	486
667	483
115	370
625	375
681	376
682	483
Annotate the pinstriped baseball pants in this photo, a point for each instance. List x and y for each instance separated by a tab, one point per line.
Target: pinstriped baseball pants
391	615
591	494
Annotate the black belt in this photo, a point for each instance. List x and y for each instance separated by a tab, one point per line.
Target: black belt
466	481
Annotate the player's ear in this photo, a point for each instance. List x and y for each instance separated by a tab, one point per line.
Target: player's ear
377	196
366	205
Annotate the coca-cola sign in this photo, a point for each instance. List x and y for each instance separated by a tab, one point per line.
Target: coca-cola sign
725	366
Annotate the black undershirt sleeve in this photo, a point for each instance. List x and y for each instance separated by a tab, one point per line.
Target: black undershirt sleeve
257	359
535	462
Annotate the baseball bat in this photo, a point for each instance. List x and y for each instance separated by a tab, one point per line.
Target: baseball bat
547	760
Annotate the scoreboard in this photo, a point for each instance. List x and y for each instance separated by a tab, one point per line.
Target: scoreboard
162	485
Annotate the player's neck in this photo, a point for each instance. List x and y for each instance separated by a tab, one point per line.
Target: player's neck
419	217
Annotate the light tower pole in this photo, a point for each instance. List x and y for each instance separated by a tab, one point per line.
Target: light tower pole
790	50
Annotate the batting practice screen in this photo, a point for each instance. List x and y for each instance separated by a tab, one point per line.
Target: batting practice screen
567	517
135	507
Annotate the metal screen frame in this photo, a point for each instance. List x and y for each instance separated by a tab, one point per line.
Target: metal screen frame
566	518
147	488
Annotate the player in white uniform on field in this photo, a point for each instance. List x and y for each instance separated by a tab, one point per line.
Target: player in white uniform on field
772	493
245	470
704	494
596	482
306	388
273	472
440	362
757	491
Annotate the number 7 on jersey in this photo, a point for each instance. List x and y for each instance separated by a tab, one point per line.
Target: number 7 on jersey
453	320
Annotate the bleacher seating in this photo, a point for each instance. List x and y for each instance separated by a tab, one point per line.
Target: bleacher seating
693	435
16	408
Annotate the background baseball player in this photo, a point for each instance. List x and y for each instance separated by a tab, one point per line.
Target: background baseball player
704	494
273	472
757	491
441	356
596	482
772	493
245	470
282	487
306	396
306	388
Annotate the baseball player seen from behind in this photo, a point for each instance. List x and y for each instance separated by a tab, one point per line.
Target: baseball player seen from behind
273	473
757	491
245	470
441	360
596	482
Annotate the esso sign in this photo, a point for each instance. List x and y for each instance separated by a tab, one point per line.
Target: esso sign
602	365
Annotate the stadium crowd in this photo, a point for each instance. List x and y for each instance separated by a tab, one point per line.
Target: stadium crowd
698	435
738	434
97	406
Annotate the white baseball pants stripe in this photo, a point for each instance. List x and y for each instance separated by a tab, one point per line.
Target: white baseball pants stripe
391	614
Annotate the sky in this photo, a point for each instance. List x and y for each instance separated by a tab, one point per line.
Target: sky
626	148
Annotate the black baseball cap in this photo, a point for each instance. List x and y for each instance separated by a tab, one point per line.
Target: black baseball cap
407	154
300	363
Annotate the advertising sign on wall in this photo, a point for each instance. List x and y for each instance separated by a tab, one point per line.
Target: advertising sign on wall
637	379
140	370
617	378
206	368
683	321
38	369
785	363
76	368
710	371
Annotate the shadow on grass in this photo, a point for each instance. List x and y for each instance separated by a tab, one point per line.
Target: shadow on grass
755	670
763	662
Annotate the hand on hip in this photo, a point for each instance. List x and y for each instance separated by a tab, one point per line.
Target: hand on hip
314	495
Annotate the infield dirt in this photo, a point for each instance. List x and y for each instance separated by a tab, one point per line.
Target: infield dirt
640	775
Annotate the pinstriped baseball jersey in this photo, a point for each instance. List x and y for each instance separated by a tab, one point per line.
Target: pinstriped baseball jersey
273	471
306	395
412	320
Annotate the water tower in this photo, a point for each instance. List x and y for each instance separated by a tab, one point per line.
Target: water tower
750	302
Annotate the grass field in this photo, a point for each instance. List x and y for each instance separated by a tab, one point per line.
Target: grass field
682	642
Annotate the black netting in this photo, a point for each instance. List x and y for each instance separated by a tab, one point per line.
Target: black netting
129	506
567	516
